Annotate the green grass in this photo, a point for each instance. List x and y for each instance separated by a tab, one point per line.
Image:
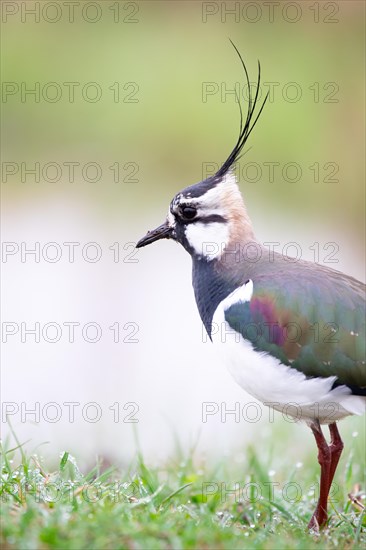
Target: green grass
179	505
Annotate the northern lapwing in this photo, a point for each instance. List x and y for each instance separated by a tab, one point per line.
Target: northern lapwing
292	332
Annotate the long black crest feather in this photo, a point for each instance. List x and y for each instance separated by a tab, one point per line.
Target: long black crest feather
246	129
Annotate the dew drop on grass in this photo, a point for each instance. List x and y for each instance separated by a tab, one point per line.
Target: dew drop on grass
354	434
271	473
299	464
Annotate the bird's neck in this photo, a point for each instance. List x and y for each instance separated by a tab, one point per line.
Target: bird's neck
212	283
216	277
240	227
238	220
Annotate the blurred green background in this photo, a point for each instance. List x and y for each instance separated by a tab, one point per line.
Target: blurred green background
169	52
163	130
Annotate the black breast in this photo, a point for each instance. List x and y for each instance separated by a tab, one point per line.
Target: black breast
211	285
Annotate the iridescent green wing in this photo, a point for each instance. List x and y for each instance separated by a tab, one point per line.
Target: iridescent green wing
314	323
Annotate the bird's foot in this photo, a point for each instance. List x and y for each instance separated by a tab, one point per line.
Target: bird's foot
318	520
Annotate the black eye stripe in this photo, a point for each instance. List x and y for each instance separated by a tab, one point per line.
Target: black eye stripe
208	219
212	218
202	219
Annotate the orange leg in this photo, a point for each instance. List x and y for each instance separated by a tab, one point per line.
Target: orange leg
320	515
328	458
336	448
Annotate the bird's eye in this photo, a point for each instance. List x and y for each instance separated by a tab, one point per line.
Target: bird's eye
188	212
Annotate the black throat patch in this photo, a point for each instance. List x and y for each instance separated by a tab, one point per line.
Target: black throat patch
211	285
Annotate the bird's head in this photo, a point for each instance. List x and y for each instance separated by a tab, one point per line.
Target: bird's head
205	218
210	216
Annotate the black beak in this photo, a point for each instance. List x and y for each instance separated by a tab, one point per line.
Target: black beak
164	231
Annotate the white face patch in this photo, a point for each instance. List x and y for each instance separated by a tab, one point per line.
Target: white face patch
208	239
220	211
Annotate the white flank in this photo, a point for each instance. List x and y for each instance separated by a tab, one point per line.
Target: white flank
274	384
